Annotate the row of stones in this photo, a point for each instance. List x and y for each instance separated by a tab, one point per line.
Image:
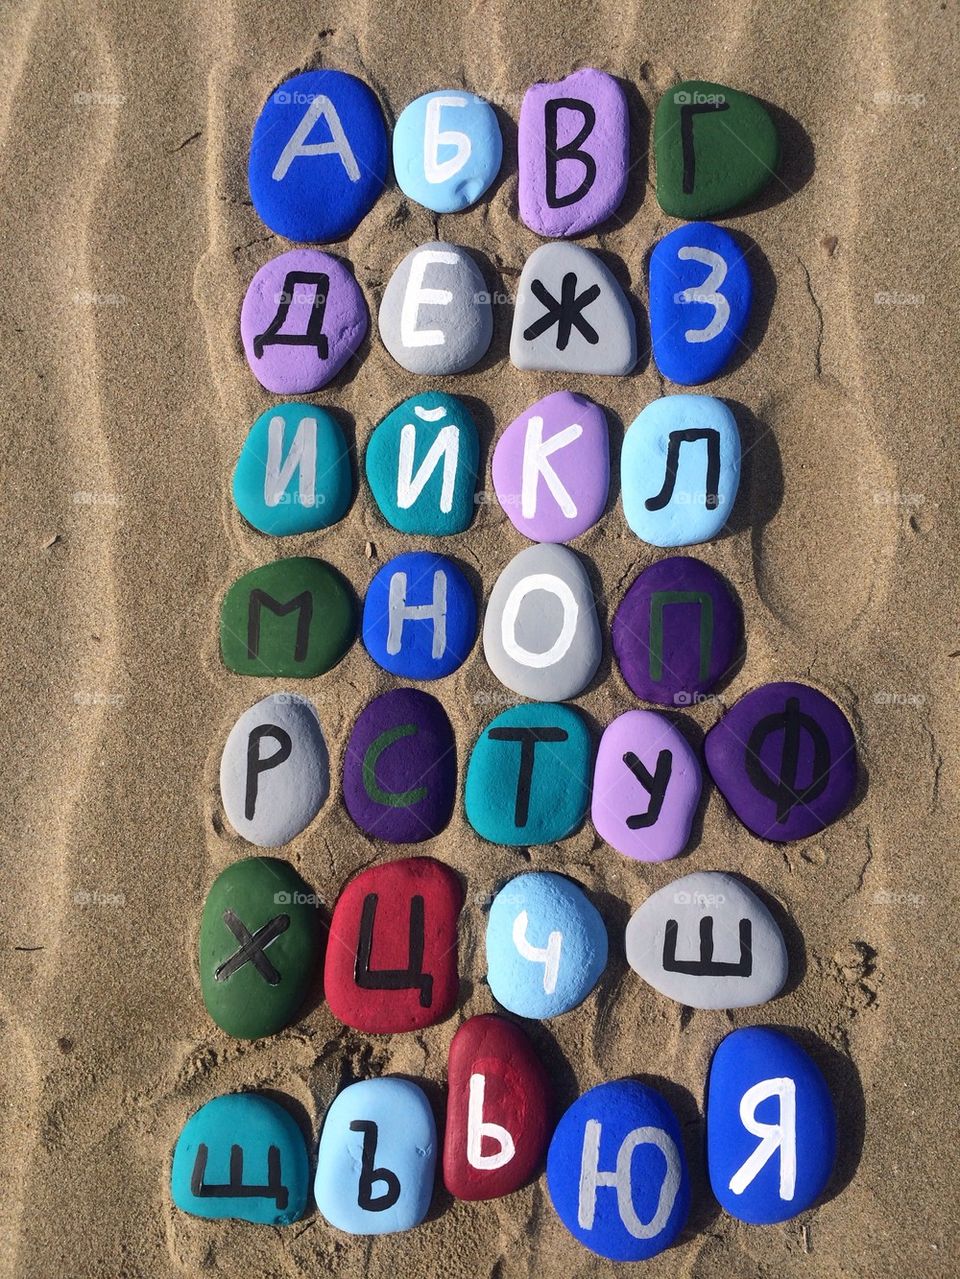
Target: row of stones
679	468
617	1171
304	315
318	157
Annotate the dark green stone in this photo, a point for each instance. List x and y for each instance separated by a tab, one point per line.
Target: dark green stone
293	618
247	1000
731	153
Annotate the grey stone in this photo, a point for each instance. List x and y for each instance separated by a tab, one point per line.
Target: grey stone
747	963
436	316
541	637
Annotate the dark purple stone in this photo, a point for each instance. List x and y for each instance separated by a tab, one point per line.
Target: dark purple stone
400	768
784	758
672	650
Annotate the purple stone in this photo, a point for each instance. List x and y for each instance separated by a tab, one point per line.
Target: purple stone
573	153
784	758
302	318
551	468
400	768
677	632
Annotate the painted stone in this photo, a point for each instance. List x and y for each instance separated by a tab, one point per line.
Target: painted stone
400	767
391	960
541	637
700	296
422	463
707	941
616	1171
419	616
259	940
646	787
377	1158
571	316
551	468
677	632
715	149
447	149
528	780
293	472
498	1100
771	1127
318	158
241	1156
785	760
293	618
302	318
274	770
435	316
680	470
573	150
546	945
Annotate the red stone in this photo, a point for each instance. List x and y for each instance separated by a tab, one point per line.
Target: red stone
404	900
516	1096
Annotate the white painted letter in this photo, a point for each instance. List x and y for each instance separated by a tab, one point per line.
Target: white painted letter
399	611
535	464
780	1136
548	955
337	145
511	610
707	292
433	139
591	1178
417	296
477	1129
302	454
410	486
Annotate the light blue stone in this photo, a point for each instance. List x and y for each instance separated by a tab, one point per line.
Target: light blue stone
680	470
419	616
447	149
761	1079
377	1158
546	945
235	1144
293	472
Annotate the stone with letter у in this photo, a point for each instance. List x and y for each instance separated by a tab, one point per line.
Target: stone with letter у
573	144
241	1156
447	149
616	1171
318	157
419	616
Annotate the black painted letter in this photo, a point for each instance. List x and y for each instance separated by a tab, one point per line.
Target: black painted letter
569	151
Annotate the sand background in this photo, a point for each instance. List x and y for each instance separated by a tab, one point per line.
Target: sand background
128	240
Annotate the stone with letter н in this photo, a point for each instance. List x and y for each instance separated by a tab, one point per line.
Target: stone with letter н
419	617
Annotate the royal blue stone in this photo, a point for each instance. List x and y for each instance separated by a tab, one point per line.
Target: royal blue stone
641	1215
321	196
426	646
694	338
745	1059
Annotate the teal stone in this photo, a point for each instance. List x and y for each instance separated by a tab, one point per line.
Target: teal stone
241	1156
422	463
293	473
528	778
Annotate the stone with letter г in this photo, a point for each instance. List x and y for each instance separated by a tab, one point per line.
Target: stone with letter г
293	472
318	157
377	1158
419	616
241	1156
274	770
259	942
497	1110
447	149
784	758
302	318
771	1126
616	1171
680	470
707	941
391	962
546	945
400	767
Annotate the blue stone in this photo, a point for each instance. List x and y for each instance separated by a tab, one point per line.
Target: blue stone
419	616
377	1158
528	780
680	470
242	1156
546	945
318	158
760	1081
616	1171
700	293
447	149
293	472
